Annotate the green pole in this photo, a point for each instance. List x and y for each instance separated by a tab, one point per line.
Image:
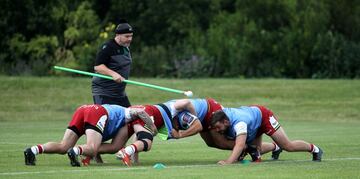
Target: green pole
126	81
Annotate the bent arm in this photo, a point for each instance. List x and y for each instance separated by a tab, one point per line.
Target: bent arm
185	104
103	69
238	148
195	128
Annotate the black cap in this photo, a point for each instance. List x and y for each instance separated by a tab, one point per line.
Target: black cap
123	28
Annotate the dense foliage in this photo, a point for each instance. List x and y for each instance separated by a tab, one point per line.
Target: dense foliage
193	38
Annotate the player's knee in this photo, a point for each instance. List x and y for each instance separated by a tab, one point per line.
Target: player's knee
147	144
63	148
146	138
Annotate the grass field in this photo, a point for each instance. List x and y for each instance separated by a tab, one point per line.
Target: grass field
325	112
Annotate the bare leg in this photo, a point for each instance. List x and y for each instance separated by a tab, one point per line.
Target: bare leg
135	156
257	143
93	143
116	144
283	141
267	147
68	141
143	143
138	143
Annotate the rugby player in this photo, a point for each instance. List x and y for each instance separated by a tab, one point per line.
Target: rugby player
98	122
245	125
176	118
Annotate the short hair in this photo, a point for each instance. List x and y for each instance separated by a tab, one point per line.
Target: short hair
218	116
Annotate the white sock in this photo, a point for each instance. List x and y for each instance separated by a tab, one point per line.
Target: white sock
130	149
316	149
77	150
37	149
276	147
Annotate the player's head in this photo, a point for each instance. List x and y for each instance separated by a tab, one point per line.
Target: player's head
124	33
219	121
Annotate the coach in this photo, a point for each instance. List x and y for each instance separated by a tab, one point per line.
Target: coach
113	59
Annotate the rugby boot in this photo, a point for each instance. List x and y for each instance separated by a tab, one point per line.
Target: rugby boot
317	156
85	160
255	154
242	155
73	158
122	155
275	154
29	157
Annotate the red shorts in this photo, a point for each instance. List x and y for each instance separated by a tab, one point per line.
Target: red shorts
269	123
213	106
152	111
88	117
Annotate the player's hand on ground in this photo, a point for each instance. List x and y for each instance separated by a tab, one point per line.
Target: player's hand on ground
118	78
223	162
175	134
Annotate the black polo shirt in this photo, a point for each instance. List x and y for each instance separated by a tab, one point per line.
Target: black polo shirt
118	59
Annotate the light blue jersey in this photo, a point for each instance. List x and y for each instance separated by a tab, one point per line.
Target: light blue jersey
251	116
201	108
170	106
115	121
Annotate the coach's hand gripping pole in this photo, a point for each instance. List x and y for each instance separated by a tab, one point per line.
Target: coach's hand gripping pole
186	93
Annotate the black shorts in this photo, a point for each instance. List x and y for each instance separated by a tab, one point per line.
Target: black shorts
122	101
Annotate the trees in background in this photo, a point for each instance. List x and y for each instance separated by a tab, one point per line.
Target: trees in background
195	38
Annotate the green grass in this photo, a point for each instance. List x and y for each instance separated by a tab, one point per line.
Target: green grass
325	112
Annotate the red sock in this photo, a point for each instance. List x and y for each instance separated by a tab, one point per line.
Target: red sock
37	149
80	150
135	147
40	148
311	148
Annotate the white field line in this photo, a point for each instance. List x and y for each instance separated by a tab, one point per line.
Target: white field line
13	143
144	168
